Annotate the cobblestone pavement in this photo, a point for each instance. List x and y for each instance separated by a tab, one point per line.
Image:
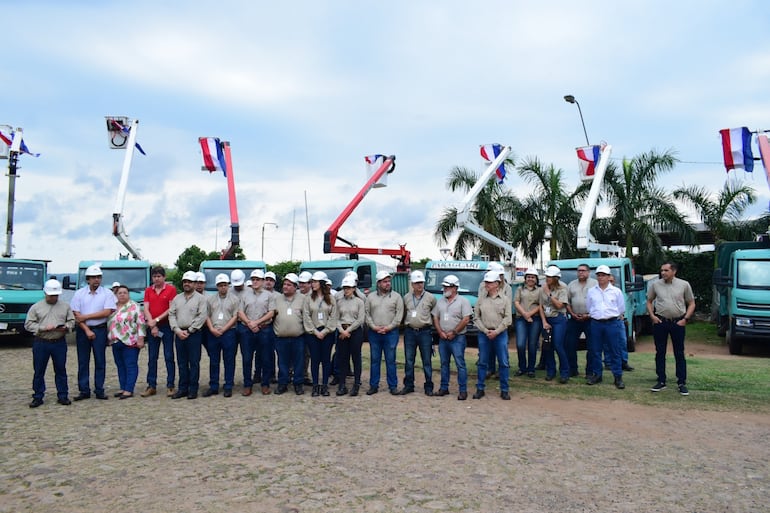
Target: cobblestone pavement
369	453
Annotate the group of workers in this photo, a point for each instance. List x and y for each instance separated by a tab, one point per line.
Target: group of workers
304	322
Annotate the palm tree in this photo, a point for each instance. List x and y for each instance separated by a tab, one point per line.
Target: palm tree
722	215
639	206
492	210
548	213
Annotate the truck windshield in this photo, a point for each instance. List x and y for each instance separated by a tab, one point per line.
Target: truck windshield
134	279
21	276
568	275
469	280
753	274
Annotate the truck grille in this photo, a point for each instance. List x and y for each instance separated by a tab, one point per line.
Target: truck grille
753	306
14	308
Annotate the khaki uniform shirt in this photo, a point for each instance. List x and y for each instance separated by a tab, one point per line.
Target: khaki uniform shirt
418	310
577	293
319	314
221	309
41	315
560	294
256	304
527	298
350	312
493	313
288	315
449	314
387	310
188	313
670	300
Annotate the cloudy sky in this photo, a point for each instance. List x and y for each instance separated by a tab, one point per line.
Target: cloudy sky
303	90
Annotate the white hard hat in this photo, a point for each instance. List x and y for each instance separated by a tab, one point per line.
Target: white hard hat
328	281
494	266
603	269
292	278
52	288
270	275
492	276
530	271
237	277
222	278
553	272
93	270
450	280
351	274
347	281
319	276
190	276
381	275
305	276
417	277
258	273
201	277
115	284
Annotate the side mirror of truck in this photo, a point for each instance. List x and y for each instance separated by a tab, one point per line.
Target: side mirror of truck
636	285
67	283
721	281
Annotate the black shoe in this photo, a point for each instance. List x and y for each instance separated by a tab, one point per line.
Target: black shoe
593	379
406	390
325	390
563	381
342	390
117	394
505	396
82	396
683	389
102	396
626	367
308	382
35	403
210	392
194	395
540	366
334	381
658	387
299	389
429	392
518	373
372	390
549	378
126	396
354	390
462	396
64	401
442	392
316	391
479	394
530	374
282	389
228	393
394	391
179	394
619	383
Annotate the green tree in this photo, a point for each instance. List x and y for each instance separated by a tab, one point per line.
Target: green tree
721	214
492	210
548	213
190	259
639	206
283	268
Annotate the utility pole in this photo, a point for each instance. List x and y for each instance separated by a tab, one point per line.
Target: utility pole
13	158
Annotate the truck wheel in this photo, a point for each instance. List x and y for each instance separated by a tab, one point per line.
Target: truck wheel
631	344
734	342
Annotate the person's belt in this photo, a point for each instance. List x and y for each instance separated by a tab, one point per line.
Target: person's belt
419	329
265	324
102	325
50	340
606	320
669	319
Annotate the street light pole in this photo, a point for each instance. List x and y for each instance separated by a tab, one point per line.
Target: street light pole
571	99
263	237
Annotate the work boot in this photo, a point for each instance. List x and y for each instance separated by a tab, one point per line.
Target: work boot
342	389
316	391
354	390
619	383
299	389
325	390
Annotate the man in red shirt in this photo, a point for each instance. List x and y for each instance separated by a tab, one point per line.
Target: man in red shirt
157	300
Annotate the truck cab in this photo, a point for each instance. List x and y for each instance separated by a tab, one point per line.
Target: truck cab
21	286
365	269
134	274
213	267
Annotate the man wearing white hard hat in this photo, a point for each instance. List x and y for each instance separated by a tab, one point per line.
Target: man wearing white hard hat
187	316
242	334
418	306
49	320
305	278
579	321
492	316
256	312
384	311
606	305
451	315
222	309
157	301
553	314
526	301
92	305
505	290
351	317
289	335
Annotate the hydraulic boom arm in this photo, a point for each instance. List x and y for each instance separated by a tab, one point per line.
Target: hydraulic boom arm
585	240
118	230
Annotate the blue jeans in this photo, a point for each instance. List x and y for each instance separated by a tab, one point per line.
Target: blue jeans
266	344
42	350
84	348
165	337
188	353
247	341
660	333
609	335
127	362
412	339
498	345
379	344
291	354
224	348
453	348
527	337
321	355
574	329
558	334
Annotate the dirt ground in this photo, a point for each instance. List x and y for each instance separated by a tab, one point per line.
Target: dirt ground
371	453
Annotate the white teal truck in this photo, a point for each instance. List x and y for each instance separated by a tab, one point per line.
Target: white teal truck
21	286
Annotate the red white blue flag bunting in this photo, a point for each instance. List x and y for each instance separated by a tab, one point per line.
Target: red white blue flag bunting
736	147
588	158
213	154
489	152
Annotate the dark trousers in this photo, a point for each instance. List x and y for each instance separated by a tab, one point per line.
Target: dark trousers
320	356
291	355
188	353
99	348
247	341
347	349
414	338
42	350
223	349
660	333
166	339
